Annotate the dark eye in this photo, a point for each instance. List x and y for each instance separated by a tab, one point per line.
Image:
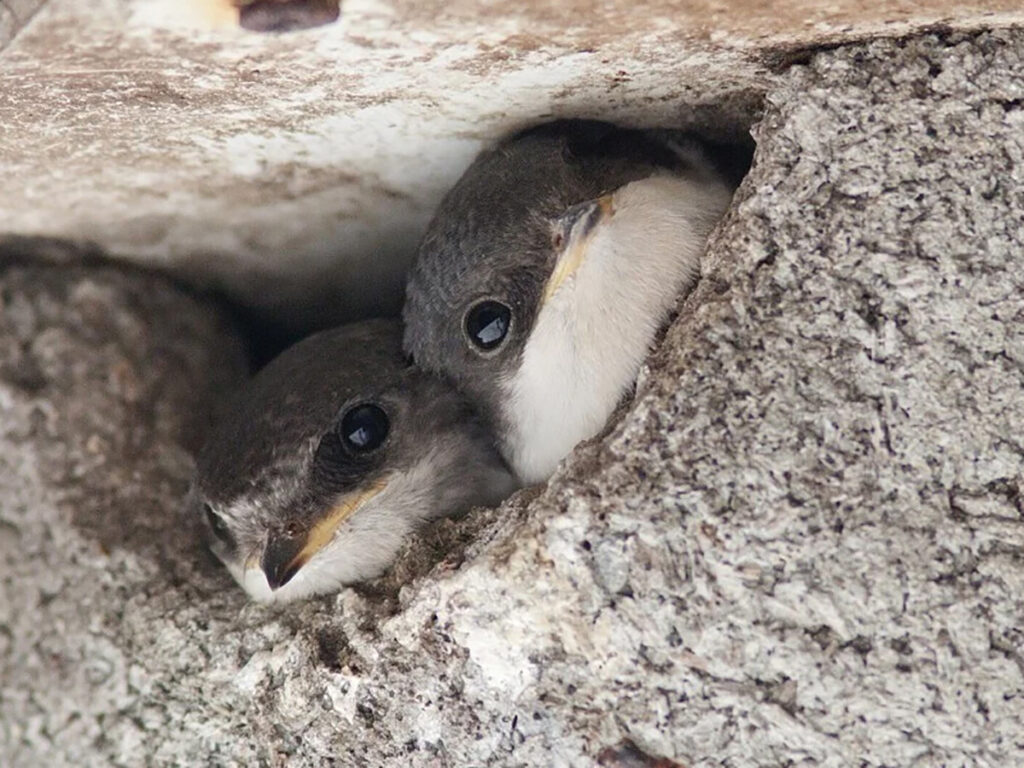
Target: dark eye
364	427
217	524
487	324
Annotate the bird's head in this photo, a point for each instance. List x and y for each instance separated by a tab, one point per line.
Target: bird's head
332	455
545	273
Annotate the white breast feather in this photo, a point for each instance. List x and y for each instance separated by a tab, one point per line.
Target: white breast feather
591	337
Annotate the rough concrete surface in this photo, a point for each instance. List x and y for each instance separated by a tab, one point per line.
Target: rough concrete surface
107	380
802	545
297	171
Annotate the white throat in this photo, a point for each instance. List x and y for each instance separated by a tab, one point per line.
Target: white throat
592	335
366	544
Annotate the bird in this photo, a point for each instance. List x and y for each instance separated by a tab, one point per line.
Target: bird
330	457
547	270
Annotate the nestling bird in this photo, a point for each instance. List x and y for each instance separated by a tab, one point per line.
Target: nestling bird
547	271
332	455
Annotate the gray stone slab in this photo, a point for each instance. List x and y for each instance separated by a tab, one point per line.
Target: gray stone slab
298	171
107	381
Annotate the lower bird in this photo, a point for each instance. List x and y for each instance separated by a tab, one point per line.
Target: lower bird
333	454
547	271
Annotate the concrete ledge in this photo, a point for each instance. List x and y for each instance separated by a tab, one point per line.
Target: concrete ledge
297	171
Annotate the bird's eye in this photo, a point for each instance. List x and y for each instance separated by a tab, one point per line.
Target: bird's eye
487	324
364	427
217	524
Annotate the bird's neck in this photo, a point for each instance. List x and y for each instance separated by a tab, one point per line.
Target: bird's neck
590	339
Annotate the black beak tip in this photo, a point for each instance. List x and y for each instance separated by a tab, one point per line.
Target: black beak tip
282	560
281	575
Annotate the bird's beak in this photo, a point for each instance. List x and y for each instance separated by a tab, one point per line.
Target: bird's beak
580	222
285	555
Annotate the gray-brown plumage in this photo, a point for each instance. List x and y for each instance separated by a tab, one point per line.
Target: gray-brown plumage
334	453
547	271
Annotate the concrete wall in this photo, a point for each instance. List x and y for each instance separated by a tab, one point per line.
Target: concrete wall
801	545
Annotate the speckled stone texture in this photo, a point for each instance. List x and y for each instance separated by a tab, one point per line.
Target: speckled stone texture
800	546
107	380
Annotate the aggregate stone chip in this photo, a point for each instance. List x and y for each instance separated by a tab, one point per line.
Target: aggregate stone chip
800	546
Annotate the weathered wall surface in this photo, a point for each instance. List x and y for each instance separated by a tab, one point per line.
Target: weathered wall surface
298	171
802	545
106	381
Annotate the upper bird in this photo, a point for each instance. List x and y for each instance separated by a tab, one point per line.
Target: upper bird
547	271
332	454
